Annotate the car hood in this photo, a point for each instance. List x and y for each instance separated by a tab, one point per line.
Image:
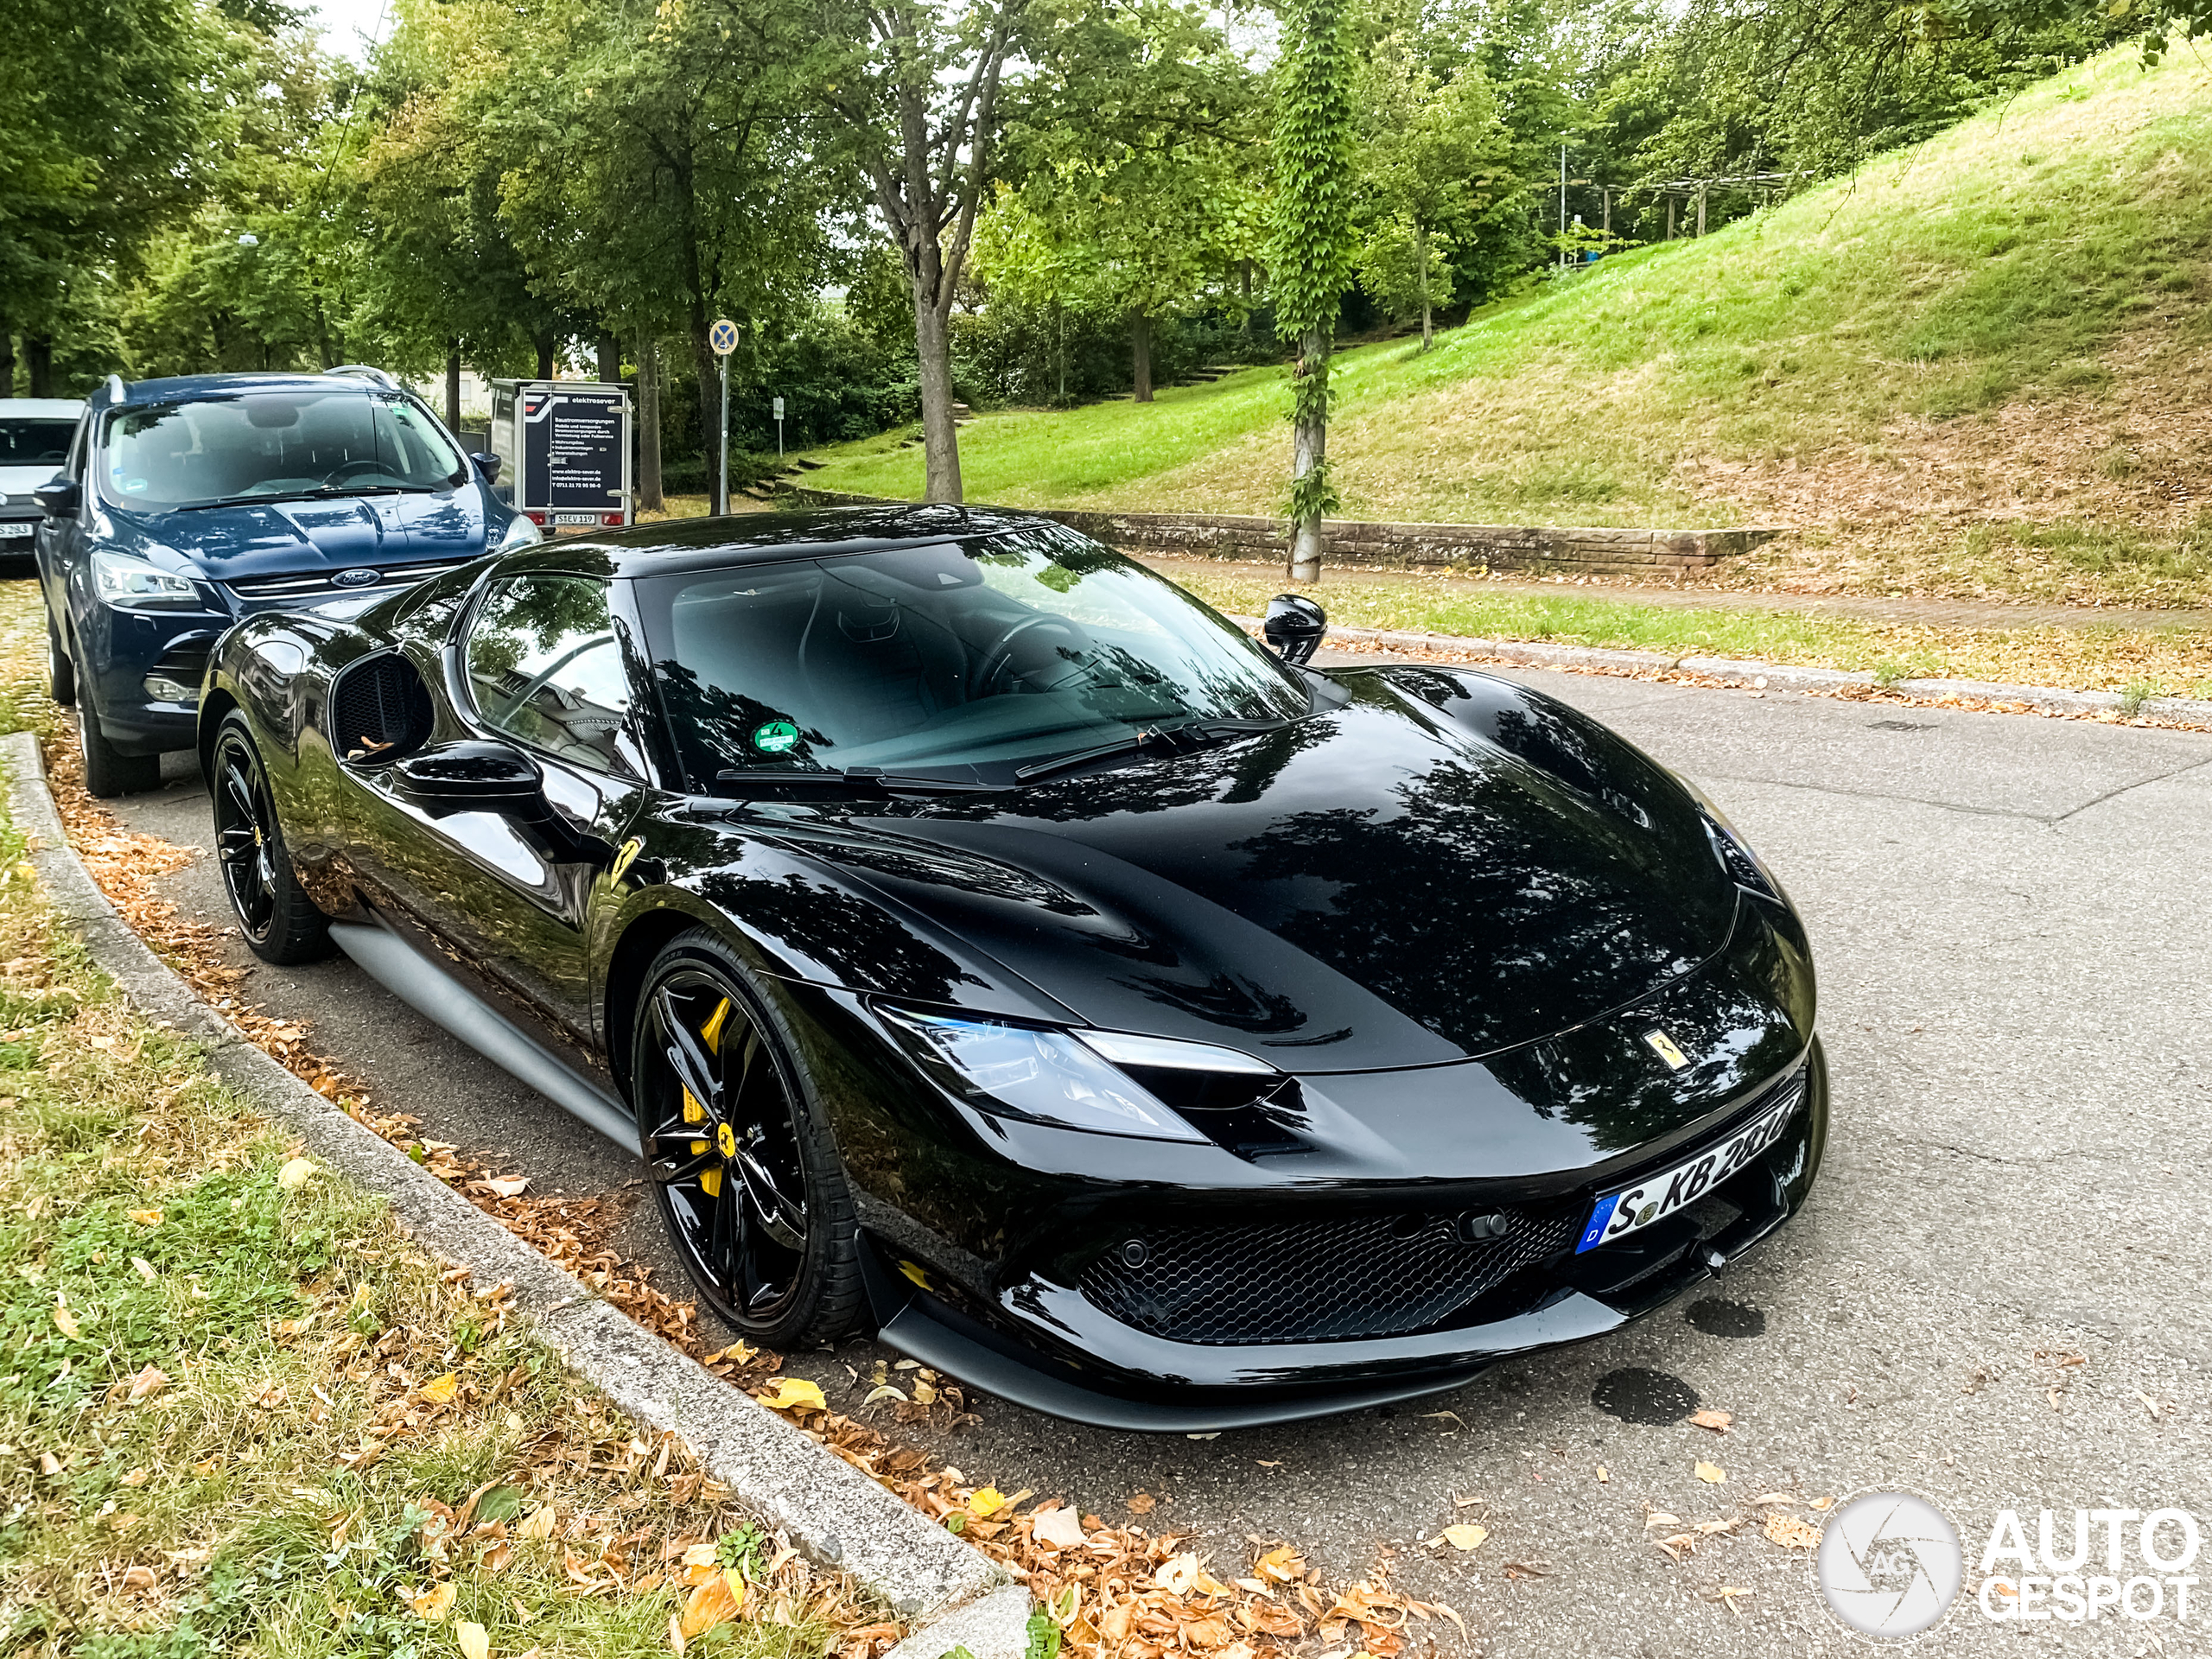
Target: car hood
1378	884
283	538
22	481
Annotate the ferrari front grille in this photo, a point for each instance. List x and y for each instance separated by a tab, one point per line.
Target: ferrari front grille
1347	1278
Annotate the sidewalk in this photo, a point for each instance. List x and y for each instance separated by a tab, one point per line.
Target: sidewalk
1987	614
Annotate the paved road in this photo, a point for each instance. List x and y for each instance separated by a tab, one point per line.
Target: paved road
2010	916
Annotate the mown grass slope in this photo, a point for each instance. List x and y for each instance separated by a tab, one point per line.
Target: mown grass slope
1955	331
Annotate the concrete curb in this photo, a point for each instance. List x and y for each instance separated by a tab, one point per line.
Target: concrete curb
829	1509
2186	711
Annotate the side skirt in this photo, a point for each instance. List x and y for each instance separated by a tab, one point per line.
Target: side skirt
425	986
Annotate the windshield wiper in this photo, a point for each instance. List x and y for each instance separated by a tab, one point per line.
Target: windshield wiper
866	781
1174	739
323	492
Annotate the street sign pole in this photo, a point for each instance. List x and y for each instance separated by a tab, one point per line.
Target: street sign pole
780	427
723	338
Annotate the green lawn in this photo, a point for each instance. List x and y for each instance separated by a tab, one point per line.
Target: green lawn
1993	263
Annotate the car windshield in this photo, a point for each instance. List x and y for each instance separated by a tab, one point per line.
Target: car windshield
249	445
33	444
996	654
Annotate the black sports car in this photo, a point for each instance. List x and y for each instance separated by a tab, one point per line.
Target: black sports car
982	940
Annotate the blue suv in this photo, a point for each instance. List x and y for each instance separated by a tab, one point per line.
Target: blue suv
186	503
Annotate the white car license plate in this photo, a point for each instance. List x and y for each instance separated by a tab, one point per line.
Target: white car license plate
1637	1207
7	531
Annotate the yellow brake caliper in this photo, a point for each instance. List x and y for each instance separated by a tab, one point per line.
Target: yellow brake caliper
710	1181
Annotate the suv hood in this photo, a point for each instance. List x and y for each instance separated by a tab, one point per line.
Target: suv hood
281	537
1369	887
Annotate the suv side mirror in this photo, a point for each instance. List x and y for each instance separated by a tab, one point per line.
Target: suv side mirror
59	497
1293	627
488	464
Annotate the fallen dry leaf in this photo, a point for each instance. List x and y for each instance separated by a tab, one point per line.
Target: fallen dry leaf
143	1268
148	1383
1281	1565
1790	1531
1718	1421
986	1502
472	1640
1711	1473
538	1523
1062	1528
1465	1536
440	1390
506	1186
1177	1574
1142	1503
1681	1544
435	1603
1774	1497
65	1322
296	1173
147	1217
794	1393
711	1604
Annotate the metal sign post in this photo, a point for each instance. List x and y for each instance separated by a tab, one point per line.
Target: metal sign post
723	338
777	404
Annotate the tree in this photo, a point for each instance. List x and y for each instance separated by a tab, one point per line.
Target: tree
1134	144
1310	257
1435	156
915	104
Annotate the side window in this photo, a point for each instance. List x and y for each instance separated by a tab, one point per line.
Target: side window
544	666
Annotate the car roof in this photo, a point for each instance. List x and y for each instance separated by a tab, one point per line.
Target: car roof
670	545
53	409
177	388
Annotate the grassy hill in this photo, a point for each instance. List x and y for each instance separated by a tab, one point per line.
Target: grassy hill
1978	365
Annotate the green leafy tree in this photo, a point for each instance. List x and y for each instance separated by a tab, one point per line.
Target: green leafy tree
1436	157
1310	256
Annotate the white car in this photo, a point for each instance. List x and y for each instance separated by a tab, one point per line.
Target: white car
34	437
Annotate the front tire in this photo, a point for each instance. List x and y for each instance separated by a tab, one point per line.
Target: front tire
108	770
280	922
742	1163
60	673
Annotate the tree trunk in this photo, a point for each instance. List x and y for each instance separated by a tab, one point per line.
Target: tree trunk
544	344
710	391
38	353
649	491
7	362
1421	259
1141	356
453	387
1309	444
940	438
610	360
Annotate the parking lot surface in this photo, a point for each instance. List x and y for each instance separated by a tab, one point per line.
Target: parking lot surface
1996	1297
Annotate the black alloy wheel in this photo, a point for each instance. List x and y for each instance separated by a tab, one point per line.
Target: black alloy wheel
746	1176
280	922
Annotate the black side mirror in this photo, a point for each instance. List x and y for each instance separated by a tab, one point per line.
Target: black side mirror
471	776
59	497
1293	627
488	464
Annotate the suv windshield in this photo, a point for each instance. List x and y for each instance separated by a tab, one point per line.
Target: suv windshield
249	445
34	443
997	653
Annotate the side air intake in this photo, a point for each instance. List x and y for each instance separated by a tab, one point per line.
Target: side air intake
379	710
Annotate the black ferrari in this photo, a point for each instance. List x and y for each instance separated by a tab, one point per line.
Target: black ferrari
984	942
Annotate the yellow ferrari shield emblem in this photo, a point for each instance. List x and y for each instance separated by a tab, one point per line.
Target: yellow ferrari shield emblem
726	1138
1663	1046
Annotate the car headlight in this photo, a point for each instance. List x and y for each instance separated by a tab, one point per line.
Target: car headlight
1070	1078
1743	867
520	532
131	584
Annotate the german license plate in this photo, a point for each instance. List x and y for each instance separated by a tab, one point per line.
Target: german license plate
7	531
1636	1208
575	518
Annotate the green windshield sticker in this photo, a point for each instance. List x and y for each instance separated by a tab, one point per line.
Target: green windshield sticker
774	736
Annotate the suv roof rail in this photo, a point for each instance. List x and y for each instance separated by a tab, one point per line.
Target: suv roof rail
365	371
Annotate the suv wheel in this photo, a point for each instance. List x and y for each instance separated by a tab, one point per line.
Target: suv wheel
60	673
108	770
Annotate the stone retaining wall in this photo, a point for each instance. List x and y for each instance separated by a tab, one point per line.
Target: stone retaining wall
1496	547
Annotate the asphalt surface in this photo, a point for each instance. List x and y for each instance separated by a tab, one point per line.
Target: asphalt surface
2009	916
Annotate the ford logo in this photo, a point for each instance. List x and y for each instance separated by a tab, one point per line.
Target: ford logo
352	578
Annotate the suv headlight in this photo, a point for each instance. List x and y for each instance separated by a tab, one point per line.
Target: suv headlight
519	533
1062	1077
131	584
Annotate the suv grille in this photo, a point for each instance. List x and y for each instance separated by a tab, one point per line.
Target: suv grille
317	584
1346	1278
